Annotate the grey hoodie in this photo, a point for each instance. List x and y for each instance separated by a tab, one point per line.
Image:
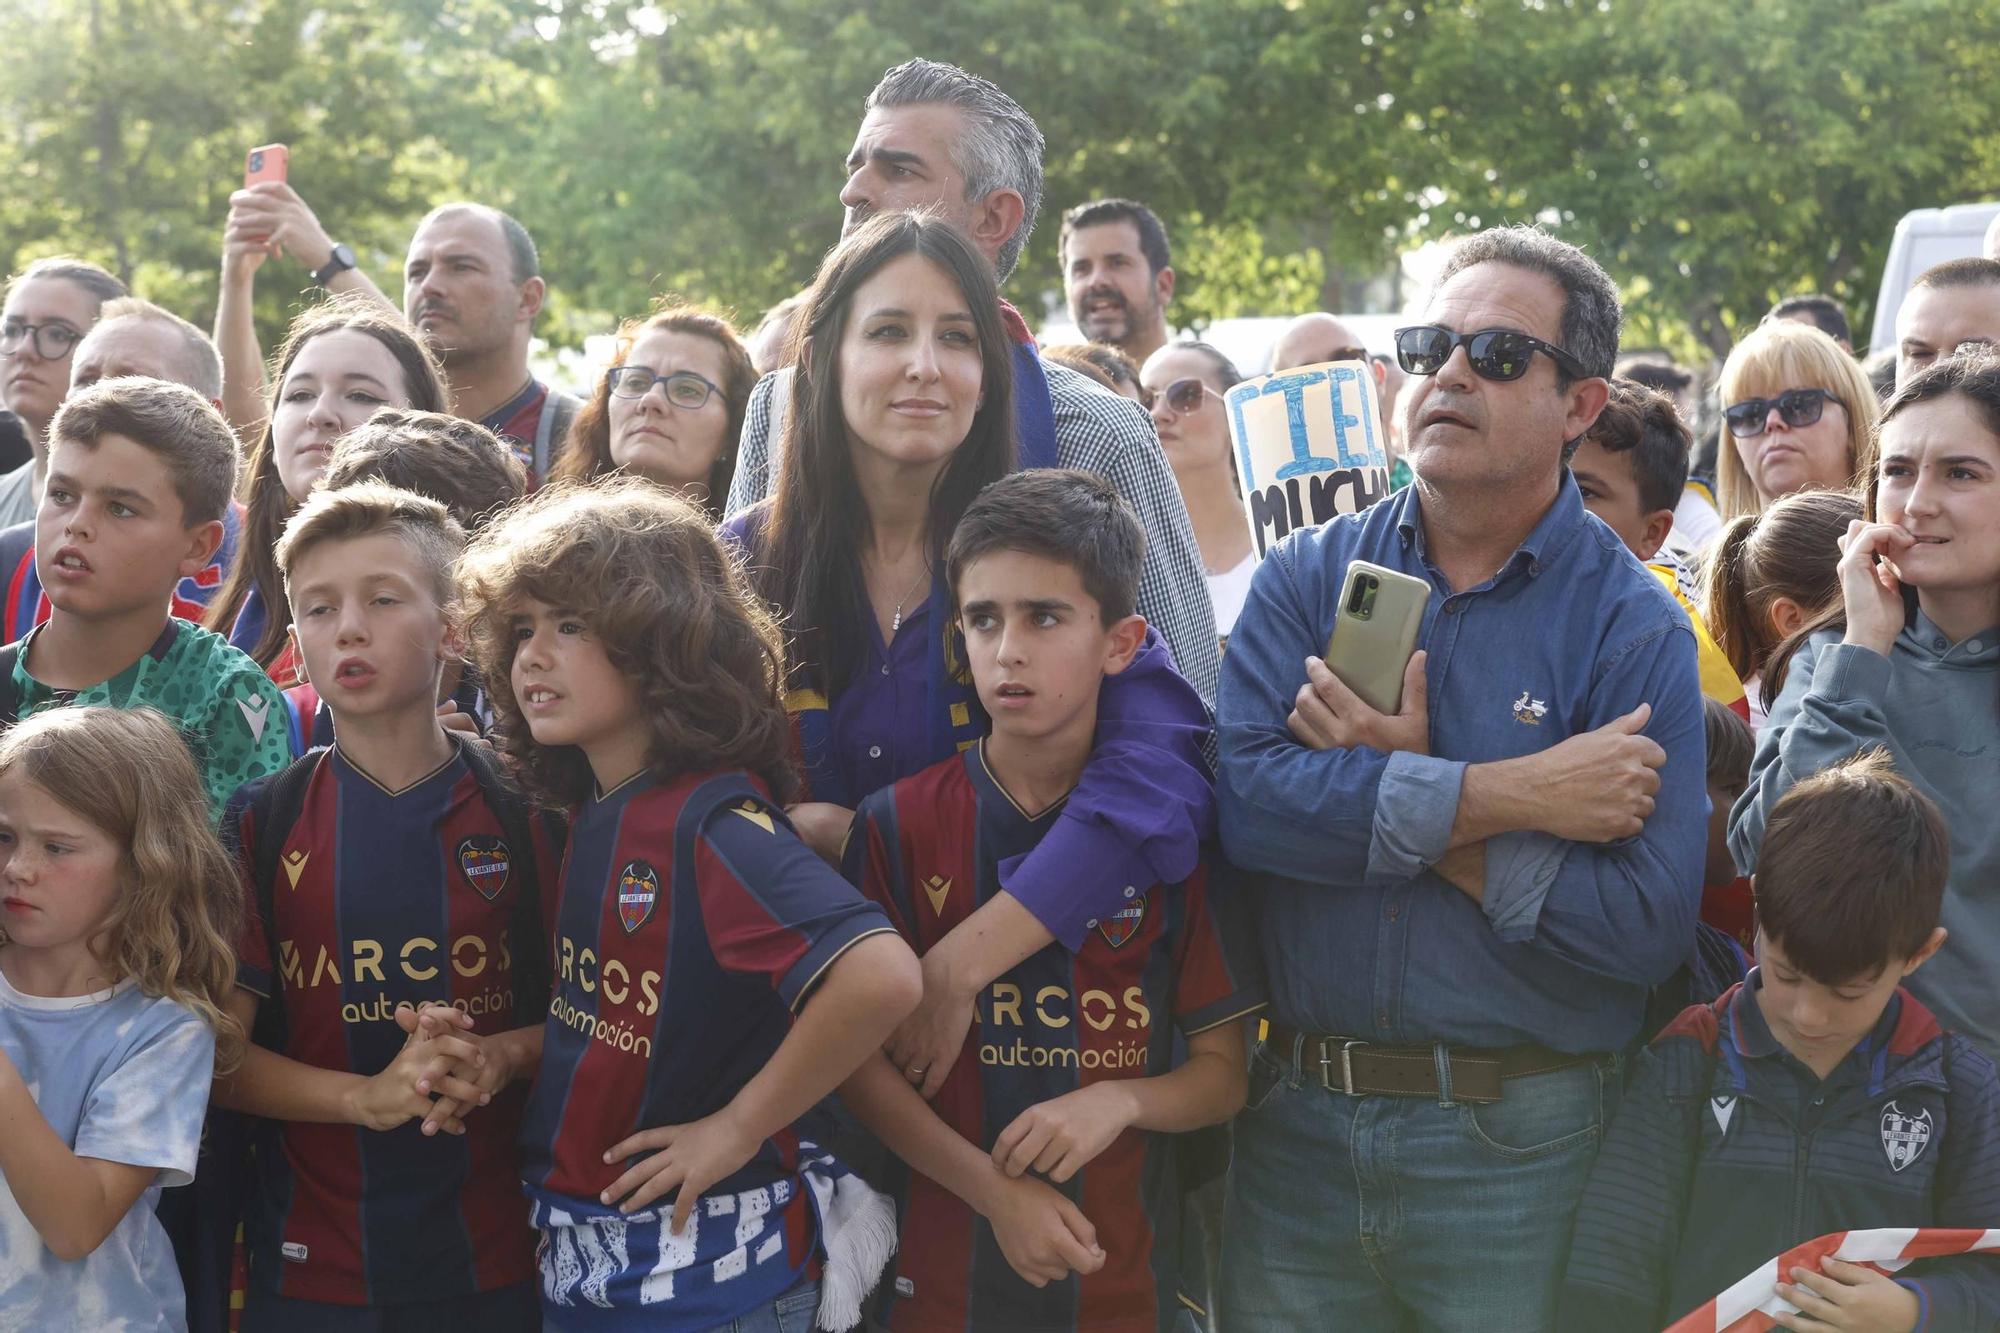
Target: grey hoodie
1936	706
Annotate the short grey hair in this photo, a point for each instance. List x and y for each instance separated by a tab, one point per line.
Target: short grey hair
1591	312
1002	149
196	362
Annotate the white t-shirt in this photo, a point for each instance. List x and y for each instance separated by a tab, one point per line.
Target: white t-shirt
1697	522
1227	591
122	1077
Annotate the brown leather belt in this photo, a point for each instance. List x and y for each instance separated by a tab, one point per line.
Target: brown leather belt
1363	1069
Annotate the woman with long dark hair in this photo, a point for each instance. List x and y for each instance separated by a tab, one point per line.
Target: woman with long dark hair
901	409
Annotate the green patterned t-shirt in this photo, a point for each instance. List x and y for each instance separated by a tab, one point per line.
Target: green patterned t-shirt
229	712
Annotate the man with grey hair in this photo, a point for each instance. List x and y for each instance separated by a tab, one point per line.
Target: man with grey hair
1463	900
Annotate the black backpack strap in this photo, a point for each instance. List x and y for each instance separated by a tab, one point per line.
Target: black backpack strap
10	698
527	936
273	813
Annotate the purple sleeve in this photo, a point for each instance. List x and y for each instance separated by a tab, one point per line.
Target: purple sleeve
1145	803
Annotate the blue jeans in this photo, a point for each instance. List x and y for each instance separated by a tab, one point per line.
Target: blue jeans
791	1313
1403	1213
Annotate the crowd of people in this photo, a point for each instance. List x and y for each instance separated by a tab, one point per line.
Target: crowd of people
841	820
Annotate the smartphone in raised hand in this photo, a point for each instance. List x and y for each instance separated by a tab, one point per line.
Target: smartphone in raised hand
268	163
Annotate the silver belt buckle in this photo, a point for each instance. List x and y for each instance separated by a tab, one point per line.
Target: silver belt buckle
1346	1084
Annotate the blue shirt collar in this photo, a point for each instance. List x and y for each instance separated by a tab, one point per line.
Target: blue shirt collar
1746	1029
1552	535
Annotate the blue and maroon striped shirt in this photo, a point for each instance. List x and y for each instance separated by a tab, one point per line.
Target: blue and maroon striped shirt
383	897
693	924
1164	966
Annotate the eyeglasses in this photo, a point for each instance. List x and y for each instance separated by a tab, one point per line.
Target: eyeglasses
1796	408
1183	395
684	388
1494	354
1348	354
52	342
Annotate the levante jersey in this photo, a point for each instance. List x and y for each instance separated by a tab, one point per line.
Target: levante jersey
1164	965
693	924
27	606
383	897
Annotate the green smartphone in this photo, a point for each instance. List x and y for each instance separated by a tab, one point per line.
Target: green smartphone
1375	632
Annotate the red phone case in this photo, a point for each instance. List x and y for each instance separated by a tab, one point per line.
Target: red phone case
266	164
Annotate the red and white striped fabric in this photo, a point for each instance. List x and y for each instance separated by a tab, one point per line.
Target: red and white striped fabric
1748	1306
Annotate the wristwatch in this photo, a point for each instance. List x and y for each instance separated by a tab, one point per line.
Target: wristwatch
341	261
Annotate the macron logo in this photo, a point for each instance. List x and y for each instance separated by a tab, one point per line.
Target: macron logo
256	710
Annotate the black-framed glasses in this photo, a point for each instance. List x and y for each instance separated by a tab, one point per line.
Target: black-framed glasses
684	387
1494	354
1796	408
1183	395
52	342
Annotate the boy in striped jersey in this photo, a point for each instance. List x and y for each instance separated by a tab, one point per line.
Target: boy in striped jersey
1043	1191
394	869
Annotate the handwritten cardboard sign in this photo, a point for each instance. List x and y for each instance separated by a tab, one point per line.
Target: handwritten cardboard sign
1309	446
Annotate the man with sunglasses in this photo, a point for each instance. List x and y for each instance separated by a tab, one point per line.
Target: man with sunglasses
1464	903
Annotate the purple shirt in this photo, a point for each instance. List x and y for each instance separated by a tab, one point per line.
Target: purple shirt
1139	813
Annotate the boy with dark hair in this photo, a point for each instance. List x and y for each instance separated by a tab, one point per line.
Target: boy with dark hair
1068	1071
1820	1089
396	868
139	475
1631	469
461	465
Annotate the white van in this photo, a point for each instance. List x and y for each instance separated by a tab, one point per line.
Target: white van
1924	239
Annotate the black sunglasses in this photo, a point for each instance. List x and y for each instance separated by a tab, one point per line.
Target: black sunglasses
1183	395
1494	354
1796	408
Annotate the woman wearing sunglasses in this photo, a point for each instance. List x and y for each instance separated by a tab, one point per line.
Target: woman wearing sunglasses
1182	384
669	409
1797	410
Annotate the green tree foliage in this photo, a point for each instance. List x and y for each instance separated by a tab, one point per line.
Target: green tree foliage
1715	153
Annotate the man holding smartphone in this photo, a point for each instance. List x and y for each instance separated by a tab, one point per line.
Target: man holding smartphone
472	288
1464	903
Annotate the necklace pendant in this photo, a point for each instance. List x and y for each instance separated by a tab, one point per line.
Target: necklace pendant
895	622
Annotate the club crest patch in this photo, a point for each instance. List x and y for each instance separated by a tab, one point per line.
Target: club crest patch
638	894
1123	924
485	861
1904	1137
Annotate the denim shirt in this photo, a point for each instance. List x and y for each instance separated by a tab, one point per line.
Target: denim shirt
1359	937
